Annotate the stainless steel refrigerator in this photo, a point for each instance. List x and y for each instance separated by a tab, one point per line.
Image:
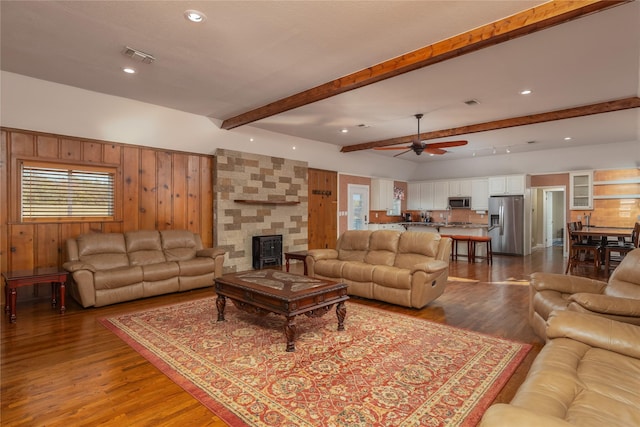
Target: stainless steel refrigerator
506	224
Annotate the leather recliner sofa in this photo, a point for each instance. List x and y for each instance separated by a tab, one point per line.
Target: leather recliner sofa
587	374
403	268
617	299
115	267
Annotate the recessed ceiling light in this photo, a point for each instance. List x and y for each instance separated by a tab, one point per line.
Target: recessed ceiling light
525	92
194	16
250	139
508	150
129	70
567	138
344	130
294	147
494	150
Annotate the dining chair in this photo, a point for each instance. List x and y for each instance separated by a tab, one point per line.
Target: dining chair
615	251
581	252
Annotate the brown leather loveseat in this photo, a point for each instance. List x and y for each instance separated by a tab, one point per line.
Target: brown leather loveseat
618	299
114	267
404	268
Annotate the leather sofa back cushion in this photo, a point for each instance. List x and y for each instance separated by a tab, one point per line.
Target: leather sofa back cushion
353	245
383	246
416	242
103	250
144	247
625	280
178	245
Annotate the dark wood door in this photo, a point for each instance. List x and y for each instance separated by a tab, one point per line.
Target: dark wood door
323	208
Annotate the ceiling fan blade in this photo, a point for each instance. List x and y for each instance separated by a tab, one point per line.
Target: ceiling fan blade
446	144
392	148
430	150
400	154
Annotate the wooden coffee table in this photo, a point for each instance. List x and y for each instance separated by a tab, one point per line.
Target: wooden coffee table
272	291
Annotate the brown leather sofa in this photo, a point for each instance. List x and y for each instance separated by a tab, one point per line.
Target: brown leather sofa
619	299
404	268
114	267
588	374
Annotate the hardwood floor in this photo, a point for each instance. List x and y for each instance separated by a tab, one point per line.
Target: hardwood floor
70	370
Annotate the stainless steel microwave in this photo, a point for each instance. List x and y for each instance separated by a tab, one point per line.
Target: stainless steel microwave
460	202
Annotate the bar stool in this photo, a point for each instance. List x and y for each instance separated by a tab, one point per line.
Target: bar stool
454	245
475	240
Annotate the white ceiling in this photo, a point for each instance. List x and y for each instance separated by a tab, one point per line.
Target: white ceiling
250	53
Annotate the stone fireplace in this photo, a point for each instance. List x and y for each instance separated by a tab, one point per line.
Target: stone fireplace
258	195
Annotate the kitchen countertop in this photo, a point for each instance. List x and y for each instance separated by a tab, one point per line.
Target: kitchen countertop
444	225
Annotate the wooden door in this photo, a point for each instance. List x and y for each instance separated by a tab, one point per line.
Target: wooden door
323	209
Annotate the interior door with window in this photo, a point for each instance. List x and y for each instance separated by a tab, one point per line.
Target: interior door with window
358	207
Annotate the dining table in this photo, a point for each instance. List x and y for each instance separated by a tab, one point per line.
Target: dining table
603	233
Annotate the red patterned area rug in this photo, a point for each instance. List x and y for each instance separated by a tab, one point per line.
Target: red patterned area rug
384	369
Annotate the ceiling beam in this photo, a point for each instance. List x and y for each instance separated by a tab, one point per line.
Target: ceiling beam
529	21
568	113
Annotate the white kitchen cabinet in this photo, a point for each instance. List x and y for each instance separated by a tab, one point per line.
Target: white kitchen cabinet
460	188
480	194
440	195
382	195
426	195
507	185
414	197
581	190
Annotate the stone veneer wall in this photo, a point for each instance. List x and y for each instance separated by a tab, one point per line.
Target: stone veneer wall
244	176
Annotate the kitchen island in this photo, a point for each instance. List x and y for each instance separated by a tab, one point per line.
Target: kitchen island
453	229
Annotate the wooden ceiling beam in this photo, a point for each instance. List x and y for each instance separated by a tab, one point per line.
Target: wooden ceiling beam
568	113
529	21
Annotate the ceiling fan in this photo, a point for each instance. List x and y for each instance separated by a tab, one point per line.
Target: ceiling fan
418	146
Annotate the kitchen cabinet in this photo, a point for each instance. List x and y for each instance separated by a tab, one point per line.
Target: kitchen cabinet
581	190
460	188
426	195
440	195
507	185
382	195
414	197
480	194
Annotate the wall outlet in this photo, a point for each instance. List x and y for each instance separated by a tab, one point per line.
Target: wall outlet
579	217
376	214
441	216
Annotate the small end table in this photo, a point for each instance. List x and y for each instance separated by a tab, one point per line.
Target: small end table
16	279
300	255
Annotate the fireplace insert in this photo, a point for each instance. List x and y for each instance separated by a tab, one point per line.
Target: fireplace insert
267	251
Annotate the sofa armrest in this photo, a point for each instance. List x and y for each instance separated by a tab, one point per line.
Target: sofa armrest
318	254
595	331
210	252
432	266
73	266
566	284
607	304
504	415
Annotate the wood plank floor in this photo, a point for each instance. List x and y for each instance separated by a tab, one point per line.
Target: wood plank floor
70	370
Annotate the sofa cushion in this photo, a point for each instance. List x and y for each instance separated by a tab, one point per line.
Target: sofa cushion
358	271
329	268
415	247
178	245
383	246
196	266
117	277
144	247
353	245
625	280
392	277
160	271
103	250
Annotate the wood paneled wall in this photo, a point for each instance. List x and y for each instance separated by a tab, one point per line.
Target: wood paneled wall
155	189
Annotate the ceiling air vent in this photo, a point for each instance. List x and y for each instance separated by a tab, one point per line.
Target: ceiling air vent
138	55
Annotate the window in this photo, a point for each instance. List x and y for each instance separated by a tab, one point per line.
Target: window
65	191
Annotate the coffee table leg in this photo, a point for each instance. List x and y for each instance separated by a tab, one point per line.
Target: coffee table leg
221	301
290	332
12	304
341	312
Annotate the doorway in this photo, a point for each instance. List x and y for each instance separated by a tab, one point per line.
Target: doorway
358	207
549	217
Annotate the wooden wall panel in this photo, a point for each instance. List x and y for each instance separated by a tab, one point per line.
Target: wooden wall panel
179	180
164	190
148	204
130	188
184	201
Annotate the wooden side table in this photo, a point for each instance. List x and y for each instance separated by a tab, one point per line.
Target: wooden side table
300	255
15	279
